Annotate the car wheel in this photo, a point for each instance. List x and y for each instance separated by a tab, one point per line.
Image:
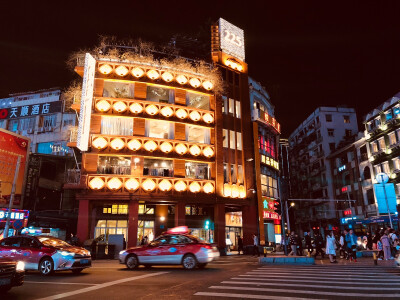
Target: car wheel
77	271
46	267
189	262
202	266
132	262
4	289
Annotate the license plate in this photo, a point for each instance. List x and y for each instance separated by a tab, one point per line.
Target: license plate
84	261
5	281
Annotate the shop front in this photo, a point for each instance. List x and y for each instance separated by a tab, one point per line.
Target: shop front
233	229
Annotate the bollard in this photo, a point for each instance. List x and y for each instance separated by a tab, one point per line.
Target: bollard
375	258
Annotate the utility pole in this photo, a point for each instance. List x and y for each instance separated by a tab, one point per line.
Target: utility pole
12	197
282	195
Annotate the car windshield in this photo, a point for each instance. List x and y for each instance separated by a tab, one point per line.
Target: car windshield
50	241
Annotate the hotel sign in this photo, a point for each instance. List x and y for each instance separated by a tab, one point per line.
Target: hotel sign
231	39
30	110
86	103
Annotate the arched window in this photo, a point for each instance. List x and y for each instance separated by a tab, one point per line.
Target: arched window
367	173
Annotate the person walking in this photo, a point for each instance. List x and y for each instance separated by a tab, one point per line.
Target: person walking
369	241
386	245
330	248
342	241
299	245
308	243
255	246
351	241
319	242
293	244
240	244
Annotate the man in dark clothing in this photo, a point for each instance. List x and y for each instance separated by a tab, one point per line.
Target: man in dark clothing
299	245
369	241
240	245
319	242
293	243
308	243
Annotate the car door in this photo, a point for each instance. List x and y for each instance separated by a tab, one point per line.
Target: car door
9	247
155	251
29	252
173	252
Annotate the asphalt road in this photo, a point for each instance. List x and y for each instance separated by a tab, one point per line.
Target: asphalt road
239	277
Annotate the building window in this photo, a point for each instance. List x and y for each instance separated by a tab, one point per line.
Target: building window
388	115
226	174
116	209
239	140
225	138
116	126
27	123
198	134
374	147
331	132
146	209
392	138
48	121
332	146
396	111
240	174
114	165
13	125
107	227
231	106
158	167
346	119
233	174
396	163
370	196
159	129
382	145
199	101
348	133
115	89
269	186
224	105
237	109
197	170
232	139
159	94
328	118
382	168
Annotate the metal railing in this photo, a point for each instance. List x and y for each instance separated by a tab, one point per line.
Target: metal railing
73	135
73	176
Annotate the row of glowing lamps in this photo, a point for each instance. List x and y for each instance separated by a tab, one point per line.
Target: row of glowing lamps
134	144
149	185
151	109
234	191
154	75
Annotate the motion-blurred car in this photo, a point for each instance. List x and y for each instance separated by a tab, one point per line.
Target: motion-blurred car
175	247
45	254
11	274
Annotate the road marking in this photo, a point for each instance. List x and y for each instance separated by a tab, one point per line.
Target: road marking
350	282
325	272
247	296
100	286
306	292
47	282
329	269
319	277
330	275
312	286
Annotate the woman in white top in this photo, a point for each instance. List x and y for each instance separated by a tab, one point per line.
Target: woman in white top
331	247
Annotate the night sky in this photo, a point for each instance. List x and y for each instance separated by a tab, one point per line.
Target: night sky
306	55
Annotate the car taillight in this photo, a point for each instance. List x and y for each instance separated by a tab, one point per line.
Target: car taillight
207	247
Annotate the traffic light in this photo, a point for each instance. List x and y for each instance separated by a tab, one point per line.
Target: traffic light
207	224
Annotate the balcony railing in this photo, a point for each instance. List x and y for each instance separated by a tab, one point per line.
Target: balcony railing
143	108
139	144
73	176
73	134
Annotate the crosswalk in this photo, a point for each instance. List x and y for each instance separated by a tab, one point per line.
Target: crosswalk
309	282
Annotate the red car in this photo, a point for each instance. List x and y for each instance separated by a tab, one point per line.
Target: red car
175	247
45	254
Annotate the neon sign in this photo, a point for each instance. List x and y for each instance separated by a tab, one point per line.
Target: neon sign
231	39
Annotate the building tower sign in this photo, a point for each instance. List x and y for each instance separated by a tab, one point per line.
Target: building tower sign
231	39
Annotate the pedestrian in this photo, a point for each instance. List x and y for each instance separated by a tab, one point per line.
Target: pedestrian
240	244
319	242
351	241
343	248
392	237
299	245
293	244
308	243
376	238
369	241
255	246
379	247
74	240
386	245
330	248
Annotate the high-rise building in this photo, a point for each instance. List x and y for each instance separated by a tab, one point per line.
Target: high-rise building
311	172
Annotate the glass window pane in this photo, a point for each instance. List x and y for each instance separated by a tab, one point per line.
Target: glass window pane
224	138
158	167
231	106
159	94
239	140
111	223
141	209
197	134
232	139
114	165
111	230
199	101
116	126
101	223
159	129
237	109
114	89
122	223
197	170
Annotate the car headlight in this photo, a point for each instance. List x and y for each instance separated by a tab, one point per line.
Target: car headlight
121	252
66	253
20	266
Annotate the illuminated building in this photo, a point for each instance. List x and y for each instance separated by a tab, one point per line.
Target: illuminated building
164	146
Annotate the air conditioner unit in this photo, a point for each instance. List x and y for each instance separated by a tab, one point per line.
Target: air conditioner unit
48	129
40	129
30	130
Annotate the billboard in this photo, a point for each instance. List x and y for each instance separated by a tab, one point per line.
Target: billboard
30	110
11	146
86	103
231	39
385	190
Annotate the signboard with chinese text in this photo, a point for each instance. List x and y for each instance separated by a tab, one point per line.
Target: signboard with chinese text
86	103
233	219
269	120
11	146
231	39
269	209
269	161
30	110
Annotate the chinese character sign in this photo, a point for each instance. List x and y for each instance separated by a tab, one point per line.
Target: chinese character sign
30	110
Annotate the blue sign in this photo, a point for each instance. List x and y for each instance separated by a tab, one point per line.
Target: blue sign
385	195
18	224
